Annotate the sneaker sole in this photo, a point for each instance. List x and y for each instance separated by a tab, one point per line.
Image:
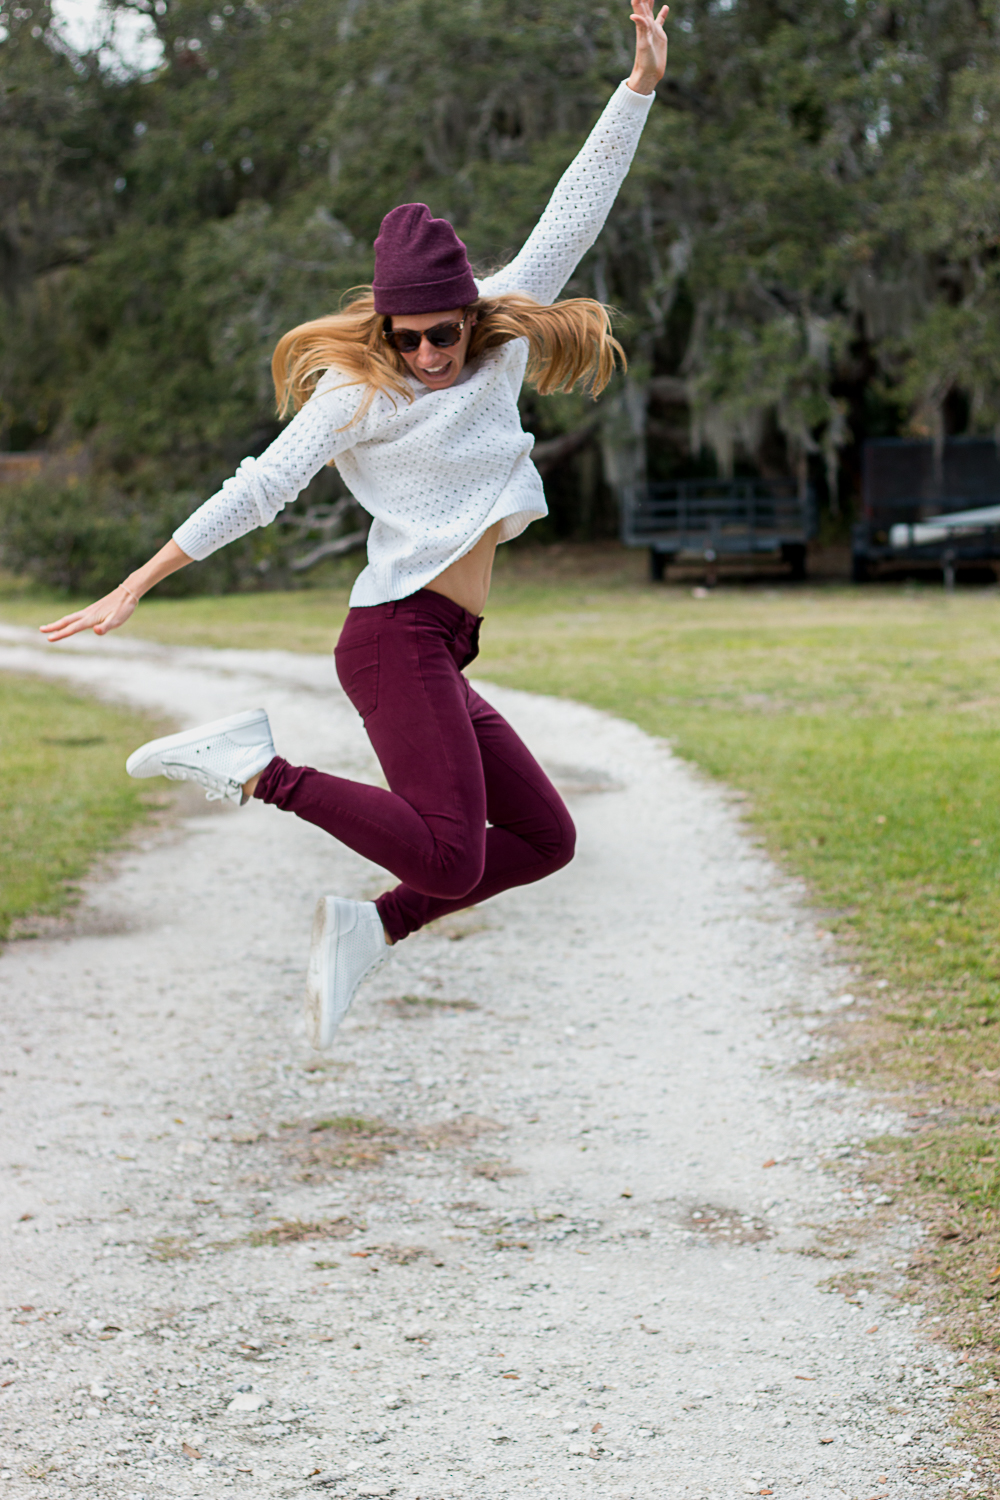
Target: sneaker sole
321	1025
323	928
140	761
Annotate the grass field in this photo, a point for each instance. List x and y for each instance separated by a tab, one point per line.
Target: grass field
863	725
63	797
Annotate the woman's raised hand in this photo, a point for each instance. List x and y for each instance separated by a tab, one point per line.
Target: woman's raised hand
107	614
650	46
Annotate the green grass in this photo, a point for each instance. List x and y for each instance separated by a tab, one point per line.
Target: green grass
863	726
64	795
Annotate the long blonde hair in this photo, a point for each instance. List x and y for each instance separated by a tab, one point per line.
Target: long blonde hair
569	343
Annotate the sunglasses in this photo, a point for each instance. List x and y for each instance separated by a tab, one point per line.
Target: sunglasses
407	340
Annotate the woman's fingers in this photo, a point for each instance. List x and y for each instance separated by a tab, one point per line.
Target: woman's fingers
648	24
643	9
643	16
58	624
107	614
62	629
68	625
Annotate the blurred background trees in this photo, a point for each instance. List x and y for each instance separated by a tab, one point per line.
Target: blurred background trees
805	253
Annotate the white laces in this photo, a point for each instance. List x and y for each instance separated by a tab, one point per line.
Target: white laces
216	790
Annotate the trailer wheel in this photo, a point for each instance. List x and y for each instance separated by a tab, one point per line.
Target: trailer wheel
659	562
860	568
794	554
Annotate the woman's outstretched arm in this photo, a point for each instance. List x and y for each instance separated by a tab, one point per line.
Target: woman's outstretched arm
118	606
587	189
251	498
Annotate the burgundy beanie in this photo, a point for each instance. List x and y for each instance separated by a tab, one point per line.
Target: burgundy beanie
420	264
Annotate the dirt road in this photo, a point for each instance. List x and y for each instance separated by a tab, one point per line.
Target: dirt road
536	1226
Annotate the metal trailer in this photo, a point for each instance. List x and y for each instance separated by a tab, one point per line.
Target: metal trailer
716	518
906	486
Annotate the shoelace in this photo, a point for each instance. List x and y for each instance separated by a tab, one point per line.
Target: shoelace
213	791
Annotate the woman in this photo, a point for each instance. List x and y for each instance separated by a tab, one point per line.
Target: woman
412	389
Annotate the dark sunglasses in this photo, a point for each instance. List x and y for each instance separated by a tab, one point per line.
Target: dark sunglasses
407	340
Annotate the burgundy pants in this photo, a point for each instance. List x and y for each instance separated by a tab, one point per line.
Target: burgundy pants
453	766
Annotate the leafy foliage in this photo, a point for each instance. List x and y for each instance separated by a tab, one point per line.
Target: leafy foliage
805	249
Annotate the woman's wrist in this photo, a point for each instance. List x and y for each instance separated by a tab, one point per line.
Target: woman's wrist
642	83
167	561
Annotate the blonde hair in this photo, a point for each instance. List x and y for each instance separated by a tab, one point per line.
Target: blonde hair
569	342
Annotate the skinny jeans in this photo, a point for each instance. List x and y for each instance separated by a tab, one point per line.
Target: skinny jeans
469	811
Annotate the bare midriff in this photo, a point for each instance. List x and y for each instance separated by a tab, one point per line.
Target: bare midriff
467	581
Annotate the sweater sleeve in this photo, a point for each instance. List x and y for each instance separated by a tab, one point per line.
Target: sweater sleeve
580	204
261	487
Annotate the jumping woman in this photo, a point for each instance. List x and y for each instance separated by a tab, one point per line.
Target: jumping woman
411	389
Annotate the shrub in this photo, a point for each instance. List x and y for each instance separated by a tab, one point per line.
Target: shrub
84	535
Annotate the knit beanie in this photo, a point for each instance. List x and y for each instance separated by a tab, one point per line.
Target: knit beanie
420	264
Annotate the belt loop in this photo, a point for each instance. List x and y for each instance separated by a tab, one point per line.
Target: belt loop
390	609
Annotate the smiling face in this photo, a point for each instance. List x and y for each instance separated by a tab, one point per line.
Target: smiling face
436	368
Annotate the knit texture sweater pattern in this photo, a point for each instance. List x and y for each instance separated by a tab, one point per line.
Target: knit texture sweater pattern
437	472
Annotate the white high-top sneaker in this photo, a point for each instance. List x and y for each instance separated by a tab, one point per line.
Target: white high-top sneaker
348	944
220	756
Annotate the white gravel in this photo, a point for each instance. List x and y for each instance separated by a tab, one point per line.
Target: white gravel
573	1275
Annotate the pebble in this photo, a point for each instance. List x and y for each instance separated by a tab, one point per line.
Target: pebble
247	1401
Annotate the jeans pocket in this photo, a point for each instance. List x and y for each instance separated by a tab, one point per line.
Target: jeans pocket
357	668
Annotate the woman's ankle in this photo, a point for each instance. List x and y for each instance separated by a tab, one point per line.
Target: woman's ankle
249	787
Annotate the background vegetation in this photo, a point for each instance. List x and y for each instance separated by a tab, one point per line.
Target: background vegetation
805	251
63	794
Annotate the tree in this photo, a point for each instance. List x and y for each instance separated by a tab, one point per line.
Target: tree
804	252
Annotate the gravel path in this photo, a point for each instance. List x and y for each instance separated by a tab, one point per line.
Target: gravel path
551	1220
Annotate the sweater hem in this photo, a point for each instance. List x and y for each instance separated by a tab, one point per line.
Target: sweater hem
368	591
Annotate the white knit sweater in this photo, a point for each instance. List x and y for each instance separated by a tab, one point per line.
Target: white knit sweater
436	473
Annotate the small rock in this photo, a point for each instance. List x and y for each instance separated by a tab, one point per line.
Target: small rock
99	1392
393	1402
247	1401
92	1411
903	1439
882	1199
